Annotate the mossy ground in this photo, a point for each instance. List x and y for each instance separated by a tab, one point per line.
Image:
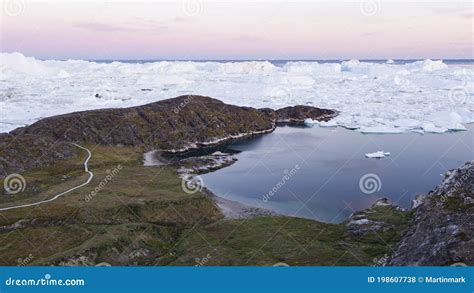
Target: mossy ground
141	216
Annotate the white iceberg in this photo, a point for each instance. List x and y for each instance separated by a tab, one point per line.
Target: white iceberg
310	122
370	97
427	65
330	123
430	127
377	155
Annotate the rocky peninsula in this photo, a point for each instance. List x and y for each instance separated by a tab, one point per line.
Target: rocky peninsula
139	215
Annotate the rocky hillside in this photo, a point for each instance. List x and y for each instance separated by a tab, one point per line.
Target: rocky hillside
298	114
171	125
21	152
442	230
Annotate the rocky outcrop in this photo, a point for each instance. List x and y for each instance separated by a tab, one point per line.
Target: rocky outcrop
298	114
442	230
25	151
437	231
173	125
381	217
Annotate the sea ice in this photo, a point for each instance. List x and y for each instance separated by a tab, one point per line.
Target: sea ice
310	122
430	127
422	96
377	155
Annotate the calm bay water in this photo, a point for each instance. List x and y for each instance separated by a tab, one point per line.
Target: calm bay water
316	172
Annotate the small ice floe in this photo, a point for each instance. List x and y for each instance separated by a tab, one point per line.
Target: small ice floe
310	122
377	155
430	127
219	153
390	61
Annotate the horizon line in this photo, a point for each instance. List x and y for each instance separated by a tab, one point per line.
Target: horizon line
264	59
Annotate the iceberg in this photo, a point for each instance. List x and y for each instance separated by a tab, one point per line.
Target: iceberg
377	155
427	65
310	122
330	123
371	97
430	127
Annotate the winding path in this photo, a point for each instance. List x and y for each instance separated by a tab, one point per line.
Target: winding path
86	169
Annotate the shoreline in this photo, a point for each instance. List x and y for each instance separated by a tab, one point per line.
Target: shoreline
232	209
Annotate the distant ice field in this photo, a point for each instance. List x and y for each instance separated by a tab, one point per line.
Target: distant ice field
372	97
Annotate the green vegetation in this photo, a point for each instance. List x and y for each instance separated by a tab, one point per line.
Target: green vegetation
135	215
456	204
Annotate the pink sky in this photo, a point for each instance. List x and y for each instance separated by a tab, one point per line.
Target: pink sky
194	29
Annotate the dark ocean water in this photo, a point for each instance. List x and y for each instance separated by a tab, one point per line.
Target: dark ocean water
331	162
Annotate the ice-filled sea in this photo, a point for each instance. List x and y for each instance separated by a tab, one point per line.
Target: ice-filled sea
323	173
372	97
